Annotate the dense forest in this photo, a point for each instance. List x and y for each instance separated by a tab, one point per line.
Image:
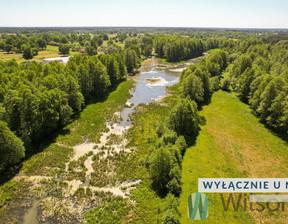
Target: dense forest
37	99
259	74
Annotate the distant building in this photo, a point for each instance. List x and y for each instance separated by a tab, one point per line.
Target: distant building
62	60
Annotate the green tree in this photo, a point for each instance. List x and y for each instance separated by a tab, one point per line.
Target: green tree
113	71
205	78
169	136
104	36
90	50
94	44
99	41
160	166
11	147
277	119
172	213
101	81
110	42
42	43
34	51
131	60
184	118
2	45
242	63
192	86
147	51
256	89
245	81
8	48
214	83
64	49
121	36
267	97
181	144
225	84
27	53
131	41
64	40
174	185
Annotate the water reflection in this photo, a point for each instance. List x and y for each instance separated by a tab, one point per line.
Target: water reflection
146	92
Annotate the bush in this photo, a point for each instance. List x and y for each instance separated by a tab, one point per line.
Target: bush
225	84
160	129
174	187
169	136
215	83
181	144
171	214
35	51
171	217
112	211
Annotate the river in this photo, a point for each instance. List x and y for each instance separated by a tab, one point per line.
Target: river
150	85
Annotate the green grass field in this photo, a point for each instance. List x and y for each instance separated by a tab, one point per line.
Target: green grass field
233	143
92	120
49	52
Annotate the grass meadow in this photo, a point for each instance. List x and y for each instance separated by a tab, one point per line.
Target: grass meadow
232	144
49	52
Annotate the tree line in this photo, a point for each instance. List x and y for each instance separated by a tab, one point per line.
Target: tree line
181	127
175	48
259	74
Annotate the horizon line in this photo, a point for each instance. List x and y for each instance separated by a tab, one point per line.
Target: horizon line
161	27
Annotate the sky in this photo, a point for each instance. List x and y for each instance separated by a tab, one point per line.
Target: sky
145	13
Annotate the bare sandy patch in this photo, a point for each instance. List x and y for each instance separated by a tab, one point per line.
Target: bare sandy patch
156	81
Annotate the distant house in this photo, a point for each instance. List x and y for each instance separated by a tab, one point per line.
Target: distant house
62	60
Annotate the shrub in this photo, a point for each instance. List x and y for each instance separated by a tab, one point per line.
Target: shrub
170	217
169	136
181	144
225	84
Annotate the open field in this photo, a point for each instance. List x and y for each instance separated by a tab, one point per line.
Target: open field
105	42
6	57
49	52
232	144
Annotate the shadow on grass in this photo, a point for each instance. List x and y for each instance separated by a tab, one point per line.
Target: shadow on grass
32	149
162	191
277	133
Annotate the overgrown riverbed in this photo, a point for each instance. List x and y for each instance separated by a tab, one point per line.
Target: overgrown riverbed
96	163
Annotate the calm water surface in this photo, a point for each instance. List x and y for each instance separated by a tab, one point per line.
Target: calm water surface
168	74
